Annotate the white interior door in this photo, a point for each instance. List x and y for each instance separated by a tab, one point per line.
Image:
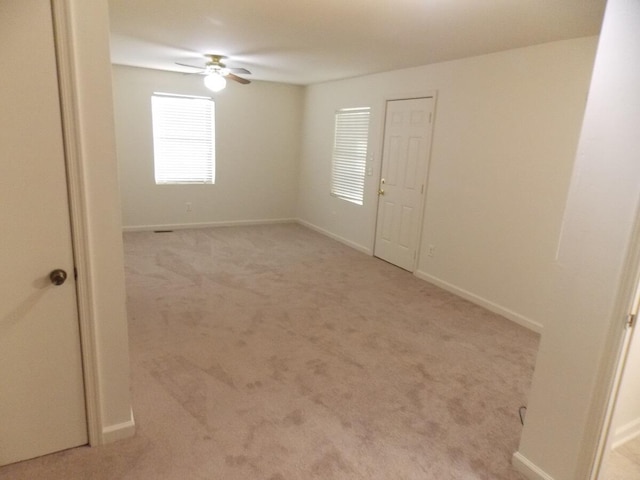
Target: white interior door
405	157
42	407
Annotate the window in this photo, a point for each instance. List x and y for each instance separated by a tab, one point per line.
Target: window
350	154
183	139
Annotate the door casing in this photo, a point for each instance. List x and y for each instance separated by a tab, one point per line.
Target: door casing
72	138
617	352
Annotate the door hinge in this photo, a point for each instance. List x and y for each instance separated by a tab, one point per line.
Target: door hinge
631	320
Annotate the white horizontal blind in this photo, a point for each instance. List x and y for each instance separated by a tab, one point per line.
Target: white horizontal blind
183	139
350	154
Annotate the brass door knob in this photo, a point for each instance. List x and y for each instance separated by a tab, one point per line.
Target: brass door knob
381	192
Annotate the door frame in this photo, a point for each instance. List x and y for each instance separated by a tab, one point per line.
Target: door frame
78	211
382	128
615	357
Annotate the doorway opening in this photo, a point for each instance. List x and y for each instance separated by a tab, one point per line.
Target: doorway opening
618	452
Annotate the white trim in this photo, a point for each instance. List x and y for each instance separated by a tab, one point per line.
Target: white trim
340	239
177	95
528	468
183	226
63	21
119	431
483	302
626	433
599	436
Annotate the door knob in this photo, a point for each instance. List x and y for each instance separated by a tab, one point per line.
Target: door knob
58	276
381	192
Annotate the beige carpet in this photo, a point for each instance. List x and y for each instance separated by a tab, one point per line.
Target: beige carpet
623	463
275	353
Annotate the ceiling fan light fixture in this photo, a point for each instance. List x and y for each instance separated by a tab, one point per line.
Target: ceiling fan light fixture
215	82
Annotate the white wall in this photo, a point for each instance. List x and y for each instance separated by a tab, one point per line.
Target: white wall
584	313
99	206
257	149
504	140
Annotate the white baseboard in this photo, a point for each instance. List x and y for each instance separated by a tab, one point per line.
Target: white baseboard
626	433
489	305
182	226
528	468
340	239
119	431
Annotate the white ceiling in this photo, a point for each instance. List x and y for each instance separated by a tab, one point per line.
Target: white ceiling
310	41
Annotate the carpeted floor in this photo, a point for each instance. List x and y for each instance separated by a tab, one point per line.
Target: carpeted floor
623	463
275	353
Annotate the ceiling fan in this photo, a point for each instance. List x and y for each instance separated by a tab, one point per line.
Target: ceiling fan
217	72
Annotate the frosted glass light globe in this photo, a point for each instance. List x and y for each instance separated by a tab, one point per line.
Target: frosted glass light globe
215	82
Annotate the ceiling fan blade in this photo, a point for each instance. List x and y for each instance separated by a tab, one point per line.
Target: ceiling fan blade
191	66
244	71
235	78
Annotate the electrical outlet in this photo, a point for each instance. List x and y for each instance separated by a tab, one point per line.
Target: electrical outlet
431	250
189	206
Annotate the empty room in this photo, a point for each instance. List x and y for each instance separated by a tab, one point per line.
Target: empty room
325	240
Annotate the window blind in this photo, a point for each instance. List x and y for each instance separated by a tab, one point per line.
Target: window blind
350	154
183	139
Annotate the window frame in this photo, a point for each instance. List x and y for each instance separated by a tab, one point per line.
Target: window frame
350	153
193	137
